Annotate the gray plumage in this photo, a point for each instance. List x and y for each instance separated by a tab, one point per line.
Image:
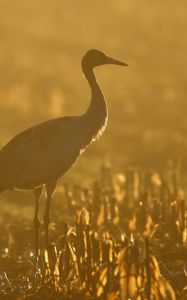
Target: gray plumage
46	151
43	153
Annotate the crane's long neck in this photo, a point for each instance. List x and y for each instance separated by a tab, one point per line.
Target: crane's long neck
96	114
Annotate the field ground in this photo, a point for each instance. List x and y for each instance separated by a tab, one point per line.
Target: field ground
134	245
123	236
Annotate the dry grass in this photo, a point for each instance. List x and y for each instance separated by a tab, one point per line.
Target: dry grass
128	242
134	244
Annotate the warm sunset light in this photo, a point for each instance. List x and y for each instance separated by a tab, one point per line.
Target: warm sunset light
93	150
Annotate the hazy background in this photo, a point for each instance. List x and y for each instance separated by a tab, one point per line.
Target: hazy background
42	43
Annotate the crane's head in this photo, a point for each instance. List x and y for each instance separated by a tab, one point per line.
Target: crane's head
94	58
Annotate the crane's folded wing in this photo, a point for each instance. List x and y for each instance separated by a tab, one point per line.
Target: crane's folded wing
40	153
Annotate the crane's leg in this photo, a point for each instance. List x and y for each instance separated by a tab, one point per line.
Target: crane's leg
37	224
50	188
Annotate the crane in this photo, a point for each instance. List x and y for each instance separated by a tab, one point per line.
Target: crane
39	156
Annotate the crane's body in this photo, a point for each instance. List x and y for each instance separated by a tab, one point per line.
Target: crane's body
41	154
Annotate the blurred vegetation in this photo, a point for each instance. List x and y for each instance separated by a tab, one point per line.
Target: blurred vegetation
123	237
42	43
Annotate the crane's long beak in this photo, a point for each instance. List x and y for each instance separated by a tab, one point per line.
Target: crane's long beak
113	61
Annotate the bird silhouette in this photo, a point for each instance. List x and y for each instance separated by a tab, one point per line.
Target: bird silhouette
40	155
